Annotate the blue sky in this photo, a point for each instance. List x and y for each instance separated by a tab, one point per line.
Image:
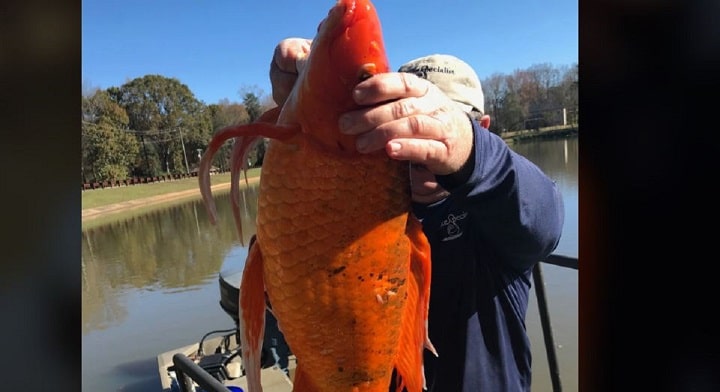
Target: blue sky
218	47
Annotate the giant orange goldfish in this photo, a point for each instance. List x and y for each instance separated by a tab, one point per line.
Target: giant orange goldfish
344	263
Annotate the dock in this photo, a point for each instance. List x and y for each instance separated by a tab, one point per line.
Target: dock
556	131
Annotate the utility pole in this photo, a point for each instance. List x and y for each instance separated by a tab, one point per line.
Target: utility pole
187	167
147	161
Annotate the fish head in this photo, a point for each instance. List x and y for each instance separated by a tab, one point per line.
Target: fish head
347	49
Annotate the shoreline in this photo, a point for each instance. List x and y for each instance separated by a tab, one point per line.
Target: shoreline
89	214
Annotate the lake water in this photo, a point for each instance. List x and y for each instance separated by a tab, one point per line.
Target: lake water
150	283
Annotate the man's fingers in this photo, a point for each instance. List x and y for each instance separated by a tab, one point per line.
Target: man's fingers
289	56
441	141
428	151
417	127
363	120
411	119
388	86
400	102
288	51
282	84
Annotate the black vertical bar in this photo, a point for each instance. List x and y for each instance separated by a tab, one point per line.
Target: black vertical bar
547	328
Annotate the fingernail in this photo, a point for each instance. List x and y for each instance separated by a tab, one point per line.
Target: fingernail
395	147
358	95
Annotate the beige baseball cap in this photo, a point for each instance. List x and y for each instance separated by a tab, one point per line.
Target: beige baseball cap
453	76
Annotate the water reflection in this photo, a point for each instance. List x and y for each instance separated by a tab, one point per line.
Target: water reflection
171	249
557	158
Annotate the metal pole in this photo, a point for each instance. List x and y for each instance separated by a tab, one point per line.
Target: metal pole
187	168
547	327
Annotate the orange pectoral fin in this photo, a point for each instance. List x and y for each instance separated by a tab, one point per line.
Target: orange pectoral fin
414	333
421	267
302	383
252	315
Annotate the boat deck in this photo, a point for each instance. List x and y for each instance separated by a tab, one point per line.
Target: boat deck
273	379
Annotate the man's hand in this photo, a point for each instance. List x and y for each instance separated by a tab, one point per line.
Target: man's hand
412	120
287	60
406	115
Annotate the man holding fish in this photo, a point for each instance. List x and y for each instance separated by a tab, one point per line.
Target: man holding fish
489	213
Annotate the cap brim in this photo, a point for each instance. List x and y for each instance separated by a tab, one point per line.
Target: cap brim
465	108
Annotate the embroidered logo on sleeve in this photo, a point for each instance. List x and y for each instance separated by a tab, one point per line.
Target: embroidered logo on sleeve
453	228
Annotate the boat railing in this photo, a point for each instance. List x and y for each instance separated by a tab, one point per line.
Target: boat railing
187	371
539	281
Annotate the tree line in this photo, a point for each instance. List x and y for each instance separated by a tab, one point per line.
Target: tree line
532	98
154	125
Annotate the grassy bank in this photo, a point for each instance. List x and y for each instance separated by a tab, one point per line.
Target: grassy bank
102	197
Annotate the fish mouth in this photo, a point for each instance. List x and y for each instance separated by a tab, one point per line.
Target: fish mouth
351	34
343	16
347	49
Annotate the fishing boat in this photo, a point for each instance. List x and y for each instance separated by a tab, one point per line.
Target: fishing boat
214	363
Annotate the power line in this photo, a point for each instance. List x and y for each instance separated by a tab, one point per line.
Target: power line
168	133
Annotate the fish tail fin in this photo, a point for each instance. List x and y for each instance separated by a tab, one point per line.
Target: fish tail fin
252	316
414	336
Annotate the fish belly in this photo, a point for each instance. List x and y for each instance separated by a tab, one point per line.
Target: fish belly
332	231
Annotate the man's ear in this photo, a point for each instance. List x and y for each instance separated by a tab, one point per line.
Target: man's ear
485	121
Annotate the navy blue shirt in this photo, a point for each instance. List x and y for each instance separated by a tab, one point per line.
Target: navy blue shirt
503	216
